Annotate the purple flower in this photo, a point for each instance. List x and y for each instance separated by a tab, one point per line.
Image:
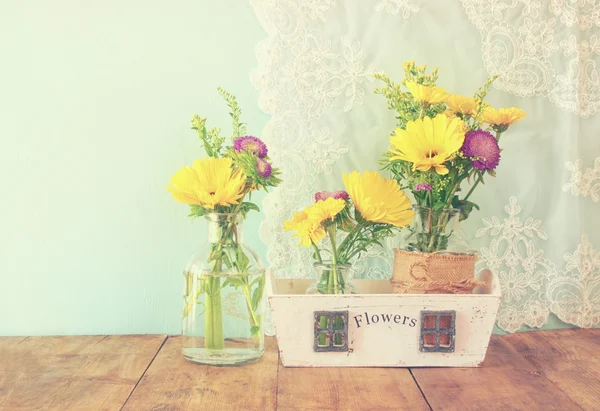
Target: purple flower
423	187
263	168
482	148
252	144
336	195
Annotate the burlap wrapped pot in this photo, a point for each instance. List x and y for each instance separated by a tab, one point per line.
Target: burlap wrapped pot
433	273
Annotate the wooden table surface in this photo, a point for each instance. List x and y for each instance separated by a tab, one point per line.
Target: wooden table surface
544	370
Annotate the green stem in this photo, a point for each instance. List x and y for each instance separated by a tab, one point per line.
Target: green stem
479	179
344	250
213	311
333	287
451	194
214	315
255	319
317	253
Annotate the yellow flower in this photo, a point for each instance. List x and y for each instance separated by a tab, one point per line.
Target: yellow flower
503	116
308	223
460	104
209	182
378	199
426	94
325	209
309	231
428	142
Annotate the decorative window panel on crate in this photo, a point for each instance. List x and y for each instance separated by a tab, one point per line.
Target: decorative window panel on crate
437	331
331	331
380	328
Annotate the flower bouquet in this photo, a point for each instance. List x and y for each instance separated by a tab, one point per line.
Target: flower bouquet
370	210
225	271
443	142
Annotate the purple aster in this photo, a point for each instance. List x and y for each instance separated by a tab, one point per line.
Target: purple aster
336	195
252	144
423	187
482	148
263	168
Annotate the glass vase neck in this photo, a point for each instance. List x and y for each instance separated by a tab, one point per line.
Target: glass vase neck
326	264
435	230
225	227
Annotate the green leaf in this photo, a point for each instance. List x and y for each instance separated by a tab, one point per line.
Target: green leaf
465	207
247	206
258	293
242	262
439	205
196	211
255	329
235	282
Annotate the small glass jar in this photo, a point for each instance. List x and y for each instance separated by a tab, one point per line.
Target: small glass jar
435	231
332	279
223	304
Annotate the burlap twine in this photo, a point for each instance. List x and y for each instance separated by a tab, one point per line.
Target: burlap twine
431	273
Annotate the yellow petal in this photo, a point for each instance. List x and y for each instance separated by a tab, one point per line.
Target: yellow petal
378	199
209	182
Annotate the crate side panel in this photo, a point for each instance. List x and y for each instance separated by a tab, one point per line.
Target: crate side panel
383	330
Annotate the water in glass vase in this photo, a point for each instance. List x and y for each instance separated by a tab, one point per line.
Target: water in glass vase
223	304
223	323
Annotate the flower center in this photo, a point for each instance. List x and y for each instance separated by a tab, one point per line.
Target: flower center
431	154
212	193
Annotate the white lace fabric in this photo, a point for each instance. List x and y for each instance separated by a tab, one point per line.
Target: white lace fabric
539	219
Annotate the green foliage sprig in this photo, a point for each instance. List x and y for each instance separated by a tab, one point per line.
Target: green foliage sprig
239	128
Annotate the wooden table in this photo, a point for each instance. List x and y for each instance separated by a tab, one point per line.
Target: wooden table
546	370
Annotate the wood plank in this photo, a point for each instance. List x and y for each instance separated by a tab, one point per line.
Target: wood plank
506	381
173	383
83	372
348	389
568	358
7	343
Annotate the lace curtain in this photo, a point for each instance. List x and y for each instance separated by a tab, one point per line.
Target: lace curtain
539	226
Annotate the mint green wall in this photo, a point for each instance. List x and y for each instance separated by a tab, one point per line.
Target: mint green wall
95	104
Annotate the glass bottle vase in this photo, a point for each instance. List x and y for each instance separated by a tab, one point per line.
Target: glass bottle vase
332	279
223	302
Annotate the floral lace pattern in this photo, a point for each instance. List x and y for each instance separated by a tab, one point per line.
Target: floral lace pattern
531	285
521	266
396	6
574	294
524	46
585	183
315	69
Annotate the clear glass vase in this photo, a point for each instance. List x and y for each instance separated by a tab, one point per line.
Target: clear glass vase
436	231
332	279
223	302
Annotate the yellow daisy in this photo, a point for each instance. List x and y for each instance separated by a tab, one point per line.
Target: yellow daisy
503	116
325	209
308	230
426	94
428	142
461	104
208	182
378	199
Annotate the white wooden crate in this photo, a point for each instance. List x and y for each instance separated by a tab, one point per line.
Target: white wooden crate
391	337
